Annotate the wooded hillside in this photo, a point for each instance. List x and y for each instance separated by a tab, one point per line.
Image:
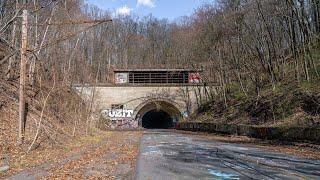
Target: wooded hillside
249	50
244	42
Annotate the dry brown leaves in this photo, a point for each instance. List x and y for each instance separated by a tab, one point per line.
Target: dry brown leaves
85	158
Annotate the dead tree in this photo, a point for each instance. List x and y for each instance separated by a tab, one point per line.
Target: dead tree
22	99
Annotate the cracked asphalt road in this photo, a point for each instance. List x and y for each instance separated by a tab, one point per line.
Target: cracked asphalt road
169	155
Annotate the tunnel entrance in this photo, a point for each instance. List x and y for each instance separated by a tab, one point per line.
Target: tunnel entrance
157	120
158	114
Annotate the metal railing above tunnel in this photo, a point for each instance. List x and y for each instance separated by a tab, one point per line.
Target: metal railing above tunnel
157	77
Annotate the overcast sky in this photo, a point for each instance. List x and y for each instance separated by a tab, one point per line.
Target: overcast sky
170	9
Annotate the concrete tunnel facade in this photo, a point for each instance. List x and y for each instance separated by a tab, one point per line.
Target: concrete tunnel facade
126	107
149	98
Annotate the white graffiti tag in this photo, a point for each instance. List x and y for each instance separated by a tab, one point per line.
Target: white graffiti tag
117	113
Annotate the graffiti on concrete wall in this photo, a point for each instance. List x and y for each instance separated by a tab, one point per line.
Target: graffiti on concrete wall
117	113
120	118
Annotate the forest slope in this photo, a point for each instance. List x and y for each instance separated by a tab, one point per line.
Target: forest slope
55	116
289	104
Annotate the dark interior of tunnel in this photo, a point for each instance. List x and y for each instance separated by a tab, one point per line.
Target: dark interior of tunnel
157	120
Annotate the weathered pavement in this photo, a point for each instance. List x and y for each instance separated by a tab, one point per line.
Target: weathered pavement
169	155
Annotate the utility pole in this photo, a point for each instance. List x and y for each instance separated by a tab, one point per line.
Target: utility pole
23	66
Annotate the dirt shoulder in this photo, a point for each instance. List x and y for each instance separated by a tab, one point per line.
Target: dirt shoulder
106	155
311	151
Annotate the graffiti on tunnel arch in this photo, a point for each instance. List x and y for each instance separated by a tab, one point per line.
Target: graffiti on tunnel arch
117	113
121	116
119	119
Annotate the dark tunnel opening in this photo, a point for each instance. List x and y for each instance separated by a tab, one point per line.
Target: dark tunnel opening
157	119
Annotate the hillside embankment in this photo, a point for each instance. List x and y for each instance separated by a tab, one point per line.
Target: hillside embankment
290	112
287	105
55	116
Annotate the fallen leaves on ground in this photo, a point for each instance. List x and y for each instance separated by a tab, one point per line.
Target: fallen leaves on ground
99	156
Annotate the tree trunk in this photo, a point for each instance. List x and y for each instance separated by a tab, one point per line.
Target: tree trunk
22	101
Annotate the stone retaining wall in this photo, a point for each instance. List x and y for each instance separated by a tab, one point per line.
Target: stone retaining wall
297	134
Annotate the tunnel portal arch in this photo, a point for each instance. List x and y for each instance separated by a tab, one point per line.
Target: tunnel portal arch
158	113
